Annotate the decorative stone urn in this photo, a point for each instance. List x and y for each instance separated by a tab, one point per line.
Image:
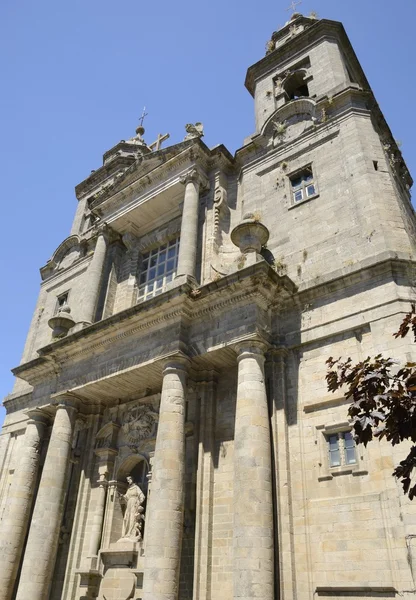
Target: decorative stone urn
61	323
250	235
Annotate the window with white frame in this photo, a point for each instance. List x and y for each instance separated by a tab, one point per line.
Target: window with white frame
158	269
341	449
303	185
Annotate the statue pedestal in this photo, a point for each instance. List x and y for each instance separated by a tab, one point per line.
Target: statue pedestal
122	565
123	552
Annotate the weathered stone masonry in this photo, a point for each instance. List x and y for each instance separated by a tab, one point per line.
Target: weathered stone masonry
169	434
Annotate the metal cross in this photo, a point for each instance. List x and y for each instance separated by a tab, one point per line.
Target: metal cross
160	138
293	5
144	114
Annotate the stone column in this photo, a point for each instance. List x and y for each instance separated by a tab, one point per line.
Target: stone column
42	543
164	518
15	523
93	277
253	501
97	523
189	224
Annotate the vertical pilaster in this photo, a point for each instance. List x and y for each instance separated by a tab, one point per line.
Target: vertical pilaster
94	276
284	562
97	524
15	522
189	225
42	543
204	491
253	500
165	508
106	465
109	512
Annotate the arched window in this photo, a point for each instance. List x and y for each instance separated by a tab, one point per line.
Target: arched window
295	86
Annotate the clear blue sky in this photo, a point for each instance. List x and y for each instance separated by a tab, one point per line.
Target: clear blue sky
76	75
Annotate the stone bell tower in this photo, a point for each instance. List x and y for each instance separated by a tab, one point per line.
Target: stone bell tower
315	108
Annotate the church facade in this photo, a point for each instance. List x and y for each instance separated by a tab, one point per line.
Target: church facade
170	435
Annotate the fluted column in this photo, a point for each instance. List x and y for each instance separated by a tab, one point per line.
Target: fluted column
15	522
253	502
42	543
164	518
189	225
93	277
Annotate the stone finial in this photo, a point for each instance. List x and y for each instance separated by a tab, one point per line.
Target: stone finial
139	141
194	131
61	323
250	235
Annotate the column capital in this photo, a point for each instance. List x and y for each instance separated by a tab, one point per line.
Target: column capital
277	353
106	231
130	241
37	415
103	481
251	346
195	176
178	362
66	401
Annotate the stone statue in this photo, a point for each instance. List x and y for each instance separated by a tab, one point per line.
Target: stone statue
194	131
133	514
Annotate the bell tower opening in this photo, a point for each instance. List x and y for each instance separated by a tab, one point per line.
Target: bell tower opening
296	87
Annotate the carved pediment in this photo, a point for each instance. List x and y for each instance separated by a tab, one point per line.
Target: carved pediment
142	169
64	256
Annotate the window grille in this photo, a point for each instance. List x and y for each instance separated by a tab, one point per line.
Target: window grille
158	269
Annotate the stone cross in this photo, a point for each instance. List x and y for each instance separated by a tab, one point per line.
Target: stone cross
160	139
293	5
144	114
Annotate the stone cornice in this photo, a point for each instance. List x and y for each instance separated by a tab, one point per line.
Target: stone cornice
386	262
192	152
98	176
257	283
308	140
312	137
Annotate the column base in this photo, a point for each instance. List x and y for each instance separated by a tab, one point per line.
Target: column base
182	280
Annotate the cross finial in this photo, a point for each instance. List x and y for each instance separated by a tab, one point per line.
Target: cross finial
144	114
293	5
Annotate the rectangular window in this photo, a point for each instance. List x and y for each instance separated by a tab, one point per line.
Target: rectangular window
341	449
61	301
303	185
158	269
